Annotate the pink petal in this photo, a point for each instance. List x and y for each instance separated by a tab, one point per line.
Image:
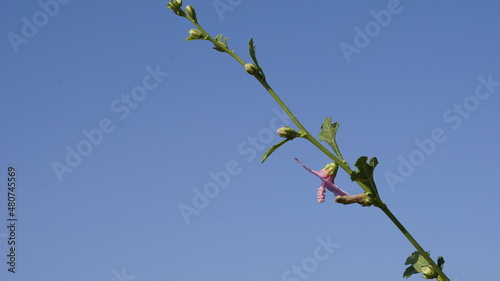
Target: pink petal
327	181
335	189
321	194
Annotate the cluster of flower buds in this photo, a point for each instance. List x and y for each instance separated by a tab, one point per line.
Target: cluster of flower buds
175	6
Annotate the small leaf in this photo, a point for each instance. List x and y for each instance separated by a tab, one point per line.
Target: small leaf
409	272
440	262
416	262
328	134
219	38
251	49
272	149
364	174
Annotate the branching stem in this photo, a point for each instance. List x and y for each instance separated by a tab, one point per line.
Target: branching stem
343	164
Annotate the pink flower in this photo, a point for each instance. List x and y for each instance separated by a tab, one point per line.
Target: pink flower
327	176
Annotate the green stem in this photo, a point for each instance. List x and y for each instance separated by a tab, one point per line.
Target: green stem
302	129
414	242
219	44
344	165
264	83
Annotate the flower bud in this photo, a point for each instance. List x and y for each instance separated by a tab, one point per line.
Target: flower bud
252	69
195	34
175	6
287	132
364	199
178	3
428	272
191	13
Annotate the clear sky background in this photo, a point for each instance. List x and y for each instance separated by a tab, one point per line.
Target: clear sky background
408	91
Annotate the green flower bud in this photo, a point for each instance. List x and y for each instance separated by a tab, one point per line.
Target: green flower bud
252	69
195	34
428	272
364	199
191	13
177	3
175	6
287	132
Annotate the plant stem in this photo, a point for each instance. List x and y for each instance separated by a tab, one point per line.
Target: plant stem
302	129
344	165
220	45
414	242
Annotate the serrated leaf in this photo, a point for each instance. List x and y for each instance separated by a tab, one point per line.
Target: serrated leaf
251	49
409	272
364	173
416	262
328	134
272	149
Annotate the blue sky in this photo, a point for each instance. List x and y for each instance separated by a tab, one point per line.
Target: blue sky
114	123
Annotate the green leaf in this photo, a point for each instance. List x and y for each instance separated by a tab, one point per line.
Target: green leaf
440	262
328	134
251	49
364	174
272	149
219	38
416	262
